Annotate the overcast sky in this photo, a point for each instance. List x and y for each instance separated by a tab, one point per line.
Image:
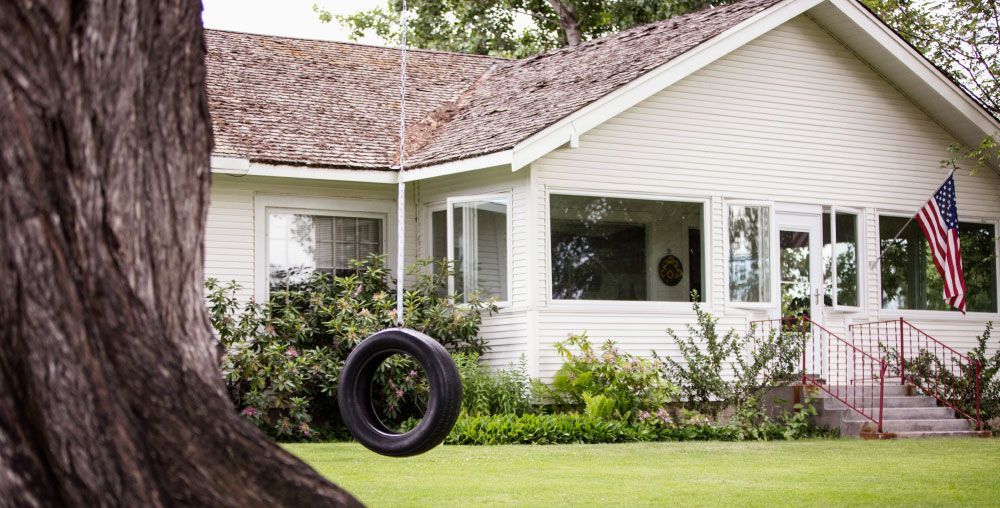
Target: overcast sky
293	18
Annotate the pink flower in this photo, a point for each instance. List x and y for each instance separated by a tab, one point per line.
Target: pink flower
663	415
249	412
399	394
412	373
304	429
292	352
357	290
643	415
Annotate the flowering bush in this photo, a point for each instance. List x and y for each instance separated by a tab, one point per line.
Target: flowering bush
282	359
629	384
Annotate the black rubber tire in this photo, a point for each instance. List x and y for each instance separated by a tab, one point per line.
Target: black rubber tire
354	397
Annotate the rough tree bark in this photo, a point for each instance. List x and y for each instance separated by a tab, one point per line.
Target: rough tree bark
110	392
569	22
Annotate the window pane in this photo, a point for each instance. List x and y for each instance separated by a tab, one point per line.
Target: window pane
299	244
846	248
793	253
480	254
749	254
624	249
911	281
439	239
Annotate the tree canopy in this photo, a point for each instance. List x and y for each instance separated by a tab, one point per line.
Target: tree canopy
962	37
511	28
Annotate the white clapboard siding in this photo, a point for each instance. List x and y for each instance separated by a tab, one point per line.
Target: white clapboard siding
506	331
229	231
230	243
793	116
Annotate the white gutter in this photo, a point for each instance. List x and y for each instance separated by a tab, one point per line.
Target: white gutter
244	167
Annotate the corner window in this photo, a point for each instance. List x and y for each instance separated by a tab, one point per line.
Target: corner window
911	281
476	246
840	259
750	253
300	244
625	249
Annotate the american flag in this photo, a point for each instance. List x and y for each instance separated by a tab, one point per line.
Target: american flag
939	220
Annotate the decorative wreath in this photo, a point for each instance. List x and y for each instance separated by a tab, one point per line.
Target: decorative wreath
671	270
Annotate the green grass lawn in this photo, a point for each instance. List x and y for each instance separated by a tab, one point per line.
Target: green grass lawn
944	472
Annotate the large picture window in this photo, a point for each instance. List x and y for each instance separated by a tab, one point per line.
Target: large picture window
840	259
750	253
911	281
477	247
300	244
614	248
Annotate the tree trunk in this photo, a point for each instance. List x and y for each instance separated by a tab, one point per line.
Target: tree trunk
569	22
110	392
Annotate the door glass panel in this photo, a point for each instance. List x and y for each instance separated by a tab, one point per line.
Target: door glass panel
795	284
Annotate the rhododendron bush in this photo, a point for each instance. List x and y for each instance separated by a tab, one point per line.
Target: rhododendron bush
282	358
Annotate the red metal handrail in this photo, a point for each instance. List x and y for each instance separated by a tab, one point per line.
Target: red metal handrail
901	341
838	367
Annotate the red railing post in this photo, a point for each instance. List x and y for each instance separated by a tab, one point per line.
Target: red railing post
881	391
902	356
802	332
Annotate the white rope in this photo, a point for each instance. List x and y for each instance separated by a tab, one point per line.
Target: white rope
401	190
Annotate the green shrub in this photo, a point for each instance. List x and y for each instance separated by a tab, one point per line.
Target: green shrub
493	392
576	428
632	383
731	370
283	358
929	372
598	406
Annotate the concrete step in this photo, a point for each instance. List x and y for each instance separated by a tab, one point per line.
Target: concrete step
951	424
887	402
889	390
905	413
952	433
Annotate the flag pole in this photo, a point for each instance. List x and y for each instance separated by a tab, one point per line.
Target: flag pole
874	262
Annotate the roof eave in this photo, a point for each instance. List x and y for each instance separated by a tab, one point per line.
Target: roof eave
238	166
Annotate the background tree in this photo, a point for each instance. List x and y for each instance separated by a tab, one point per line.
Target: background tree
962	37
110	390
494	27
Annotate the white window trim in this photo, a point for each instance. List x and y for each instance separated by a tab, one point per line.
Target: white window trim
933	314
508	197
327	206
860	261
775	302
630	305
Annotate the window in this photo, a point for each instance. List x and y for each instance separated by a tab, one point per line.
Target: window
300	244
477	247
613	248
840	257
750	253
911	281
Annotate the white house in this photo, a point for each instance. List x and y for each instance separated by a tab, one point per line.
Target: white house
727	147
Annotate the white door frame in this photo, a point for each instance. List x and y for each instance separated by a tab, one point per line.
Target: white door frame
806	220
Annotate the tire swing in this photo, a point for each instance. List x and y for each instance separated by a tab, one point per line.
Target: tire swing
354	396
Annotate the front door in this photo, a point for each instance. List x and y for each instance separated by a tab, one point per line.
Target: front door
800	243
